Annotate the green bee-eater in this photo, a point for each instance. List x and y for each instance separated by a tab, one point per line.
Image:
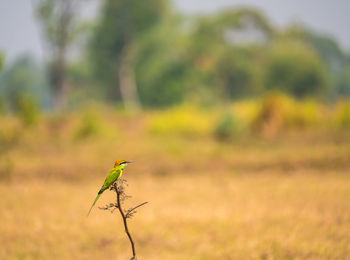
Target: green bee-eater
113	176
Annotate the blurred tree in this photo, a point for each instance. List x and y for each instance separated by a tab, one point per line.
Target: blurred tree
336	60
325	46
239	73
328	49
226	48
23	82
114	47
343	83
296	69
243	26
160	66
59	26
143	53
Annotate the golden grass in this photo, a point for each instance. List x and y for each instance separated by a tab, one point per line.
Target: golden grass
218	216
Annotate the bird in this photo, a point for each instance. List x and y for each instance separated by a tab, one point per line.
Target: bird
112	177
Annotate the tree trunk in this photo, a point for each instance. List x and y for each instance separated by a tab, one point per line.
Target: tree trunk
59	67
127	81
57	82
57	20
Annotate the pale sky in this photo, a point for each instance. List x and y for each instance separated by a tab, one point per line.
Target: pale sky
19	31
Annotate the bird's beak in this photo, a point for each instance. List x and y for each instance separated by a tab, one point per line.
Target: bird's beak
129	161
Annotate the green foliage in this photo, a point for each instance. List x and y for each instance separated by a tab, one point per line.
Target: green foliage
329	50
296	69
168	88
343	83
229	126
325	46
162	73
23	79
122	24
3	107
231	28
226	54
58	21
27	110
230	55
238	74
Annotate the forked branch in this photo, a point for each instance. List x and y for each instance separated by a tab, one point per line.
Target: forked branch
118	187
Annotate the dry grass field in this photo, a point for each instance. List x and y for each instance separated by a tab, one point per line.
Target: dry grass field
270	216
284	198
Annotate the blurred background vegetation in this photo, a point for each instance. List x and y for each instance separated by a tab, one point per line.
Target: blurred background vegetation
147	56
239	126
233	68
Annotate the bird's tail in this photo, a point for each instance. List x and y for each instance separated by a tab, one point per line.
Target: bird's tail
93	204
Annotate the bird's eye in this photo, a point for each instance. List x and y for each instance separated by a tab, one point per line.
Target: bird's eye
122	164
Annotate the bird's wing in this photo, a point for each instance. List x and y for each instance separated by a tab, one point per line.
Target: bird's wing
113	175
111	178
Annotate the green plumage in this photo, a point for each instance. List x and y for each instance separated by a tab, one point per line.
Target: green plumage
113	176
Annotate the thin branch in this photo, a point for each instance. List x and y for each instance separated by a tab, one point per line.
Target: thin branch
119	187
132	209
130	213
124	220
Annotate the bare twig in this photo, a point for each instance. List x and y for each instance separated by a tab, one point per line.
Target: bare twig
130	212
118	188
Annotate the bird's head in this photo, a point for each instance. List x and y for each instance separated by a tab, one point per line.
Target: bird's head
121	163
